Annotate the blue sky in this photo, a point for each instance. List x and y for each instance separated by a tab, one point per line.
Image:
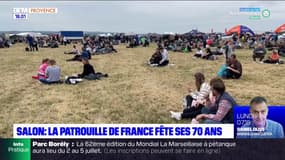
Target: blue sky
141	17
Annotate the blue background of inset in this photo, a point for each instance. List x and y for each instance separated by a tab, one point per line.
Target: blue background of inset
275	113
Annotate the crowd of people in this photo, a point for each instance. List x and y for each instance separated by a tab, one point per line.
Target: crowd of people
92	46
34	43
50	73
232	69
99	45
135	41
208	103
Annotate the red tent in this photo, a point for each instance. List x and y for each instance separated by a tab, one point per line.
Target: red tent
280	29
239	29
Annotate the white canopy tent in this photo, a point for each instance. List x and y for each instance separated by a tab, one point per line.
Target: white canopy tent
169	33
105	35
33	34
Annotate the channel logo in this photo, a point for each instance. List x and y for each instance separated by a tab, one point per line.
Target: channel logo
22	13
43	10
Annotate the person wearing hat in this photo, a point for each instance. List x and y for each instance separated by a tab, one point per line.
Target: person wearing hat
273	58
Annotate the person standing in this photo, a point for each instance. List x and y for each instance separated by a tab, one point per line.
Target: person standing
228	50
30	41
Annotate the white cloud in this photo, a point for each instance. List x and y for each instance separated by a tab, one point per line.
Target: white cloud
144	16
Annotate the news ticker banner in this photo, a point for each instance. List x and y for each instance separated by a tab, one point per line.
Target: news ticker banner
130	149
243	127
122	131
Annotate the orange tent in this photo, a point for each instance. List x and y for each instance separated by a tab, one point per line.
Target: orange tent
280	29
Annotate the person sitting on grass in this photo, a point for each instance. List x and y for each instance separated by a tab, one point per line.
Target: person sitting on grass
259	52
74	51
159	58
186	47
219	51
208	54
164	54
42	69
219	107
281	50
89	72
234	69
52	73
132	43
193	103
155	58
273	58
110	48
199	53
223	72
77	57
85	54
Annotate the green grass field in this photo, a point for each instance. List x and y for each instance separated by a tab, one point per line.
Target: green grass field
133	92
